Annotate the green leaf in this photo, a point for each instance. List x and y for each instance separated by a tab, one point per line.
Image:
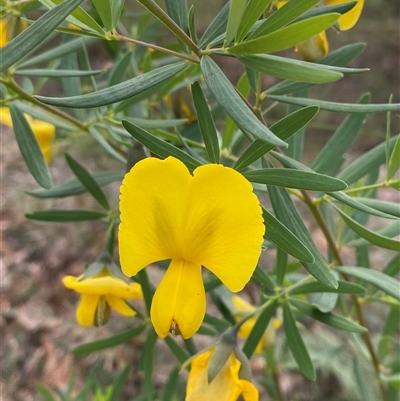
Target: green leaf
356	204
315	287
30	149
88	181
367	162
284	239
341	140
233	105
154	124
329	318
283	16
254	9
286	37
236	11
370	236
337	107
158	146
177	10
119	69
45	392
27	41
290	178
216	27
119	383
95	134
75	187
176	349
296	344
206	123
60	51
258	329
116	93
363	384
171	386
381	280
109	12
57	73
287	213
283	129
147	361
394	161
262	278
294	70
109	342
65	215
391	208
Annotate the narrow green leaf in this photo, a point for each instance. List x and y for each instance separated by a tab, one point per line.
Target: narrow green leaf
233	105
394	161
45	392
57	73
99	138
363	384
370	236
254	9
294	70
258	329
284	239
390	231
104	9
341	140
30	149
366	163
315	287
118	71
296	344
206	123
147	359
75	187
286	37
154	124
216	27
158	146
287	213
177	10
27	41
176	349
337	107
262	278
381	280
290	178
116	93
119	384
65	215
283	16
329	318
88	181
391	208
171	386
236	11
363	207
324	301
283	129
109	342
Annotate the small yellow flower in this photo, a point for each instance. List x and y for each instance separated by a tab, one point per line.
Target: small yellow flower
211	218
4	34
44	131
241	308
226	386
99	293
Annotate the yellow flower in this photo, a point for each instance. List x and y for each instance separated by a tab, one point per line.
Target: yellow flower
44	131
99	293
4	34
241	308
226	386
349	19
210	219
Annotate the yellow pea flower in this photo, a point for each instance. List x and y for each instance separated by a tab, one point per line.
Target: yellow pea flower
211	218
4	34
226	386
44	131
100	293
241	308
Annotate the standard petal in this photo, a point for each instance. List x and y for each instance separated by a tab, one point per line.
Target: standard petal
119	305
223	225
179	298
249	391
349	19
152	200
86	309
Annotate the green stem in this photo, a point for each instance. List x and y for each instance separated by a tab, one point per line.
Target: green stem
159	13
359	312
367	187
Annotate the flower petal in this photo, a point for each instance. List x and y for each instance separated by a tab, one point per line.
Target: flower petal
103	286
86	309
153	196
223	225
314	48
179	298
349	19
43	131
249	391
119	305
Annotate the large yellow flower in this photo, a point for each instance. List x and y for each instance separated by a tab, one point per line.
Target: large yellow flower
43	131
226	386
210	219
99	293
241	309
